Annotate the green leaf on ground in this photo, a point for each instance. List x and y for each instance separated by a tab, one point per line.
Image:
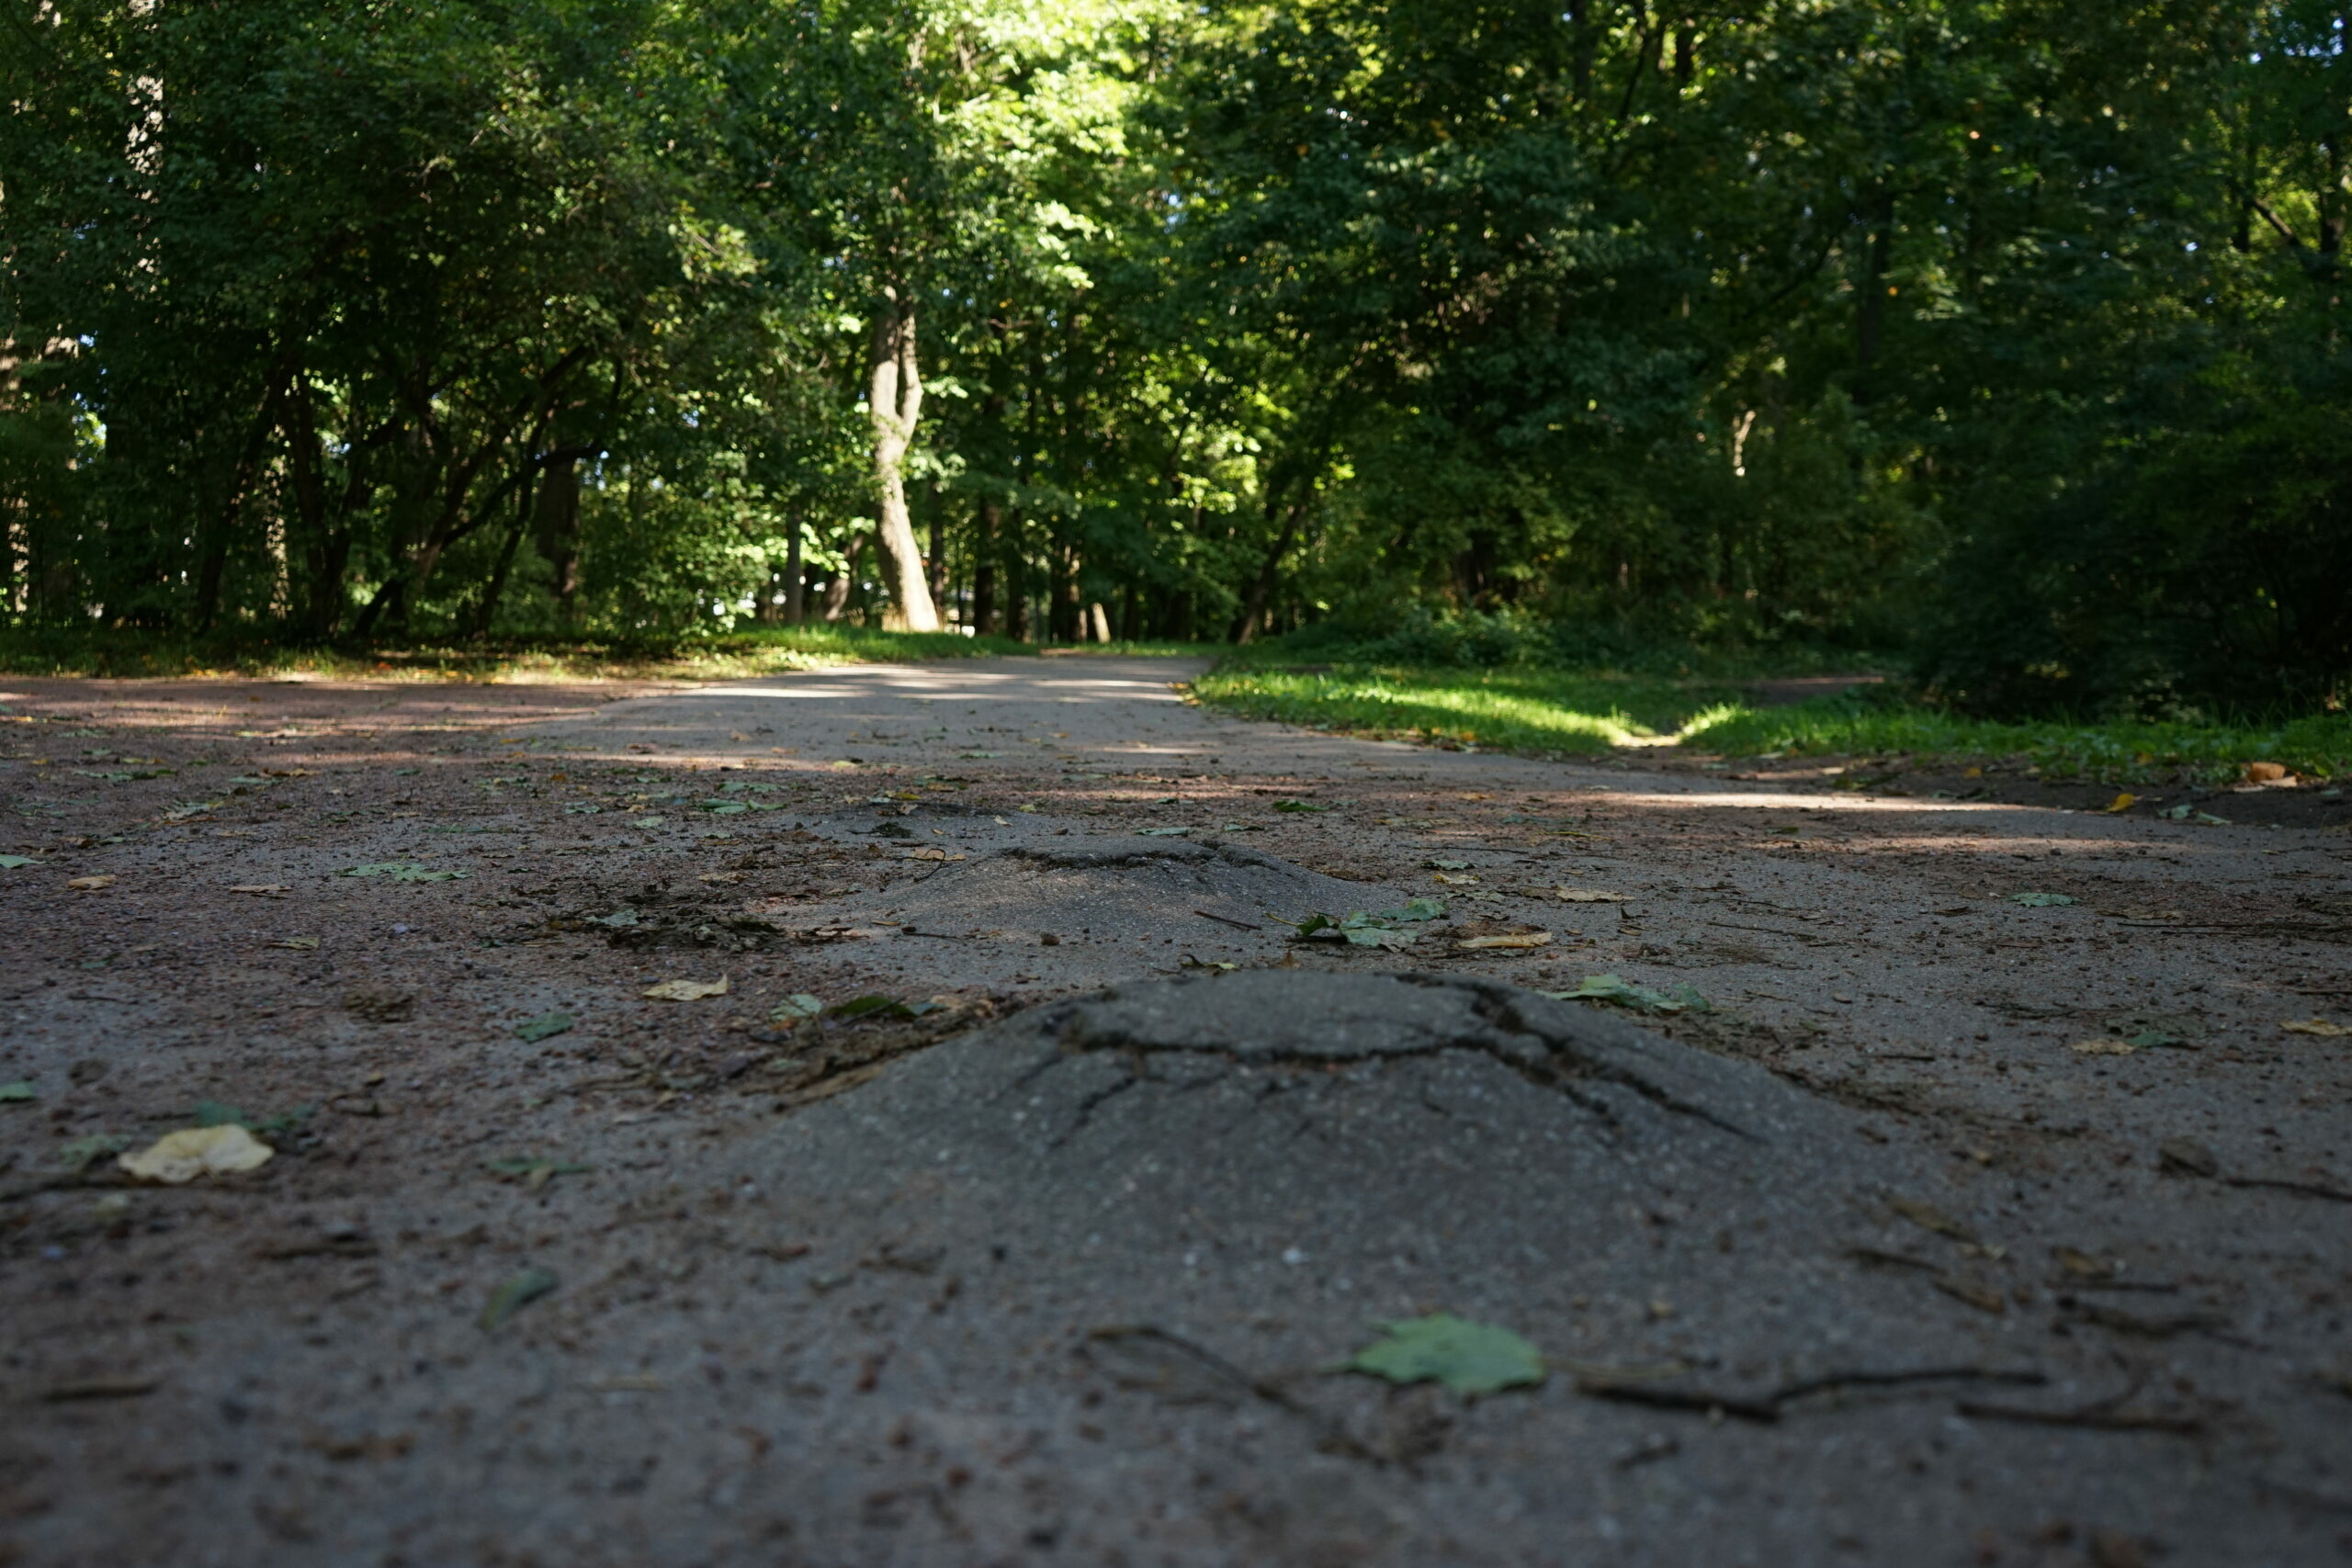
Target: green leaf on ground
725	807
97	1146
1467	1358
404	871
515	1294
1164	832
1619	992
1299	805
793	1009
619	920
537	1173
213	1114
16	1093
1417	910
547	1026
10	863
2042	900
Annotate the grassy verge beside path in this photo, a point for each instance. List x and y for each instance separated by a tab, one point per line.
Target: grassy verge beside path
1521	709
2115	751
732	654
1553	712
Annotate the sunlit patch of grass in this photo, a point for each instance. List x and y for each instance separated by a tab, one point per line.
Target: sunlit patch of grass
2318	746
1511	710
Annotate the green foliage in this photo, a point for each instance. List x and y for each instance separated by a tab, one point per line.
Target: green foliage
1486	334
2116	751
1540	710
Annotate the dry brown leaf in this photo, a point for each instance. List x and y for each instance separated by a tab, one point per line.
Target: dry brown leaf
686	990
1926	1216
1523	939
1586	895
2317	1026
2266	773
1451	881
182	1157
2082	1265
91	883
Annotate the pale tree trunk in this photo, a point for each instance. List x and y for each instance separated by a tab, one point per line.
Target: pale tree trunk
893	403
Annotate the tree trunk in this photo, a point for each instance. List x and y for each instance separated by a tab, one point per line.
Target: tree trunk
894	404
984	607
559	532
796	603
1253	609
837	591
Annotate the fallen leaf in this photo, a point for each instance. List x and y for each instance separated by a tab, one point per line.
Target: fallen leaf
547	1026
1296	805
2105	1047
92	883
2082	1265
1984	1298
619	920
182	1157
1928	1217
2185	812
1521	939
1625	993
1450	880
404	871
10	863
2265	773
2123	802
1586	895
685	990
1165	833
16	1093
1446	865
378	1004
517	1293
98	1145
1467	1358
2317	1026
794	1007
536	1173
300	944
2040	900
263	888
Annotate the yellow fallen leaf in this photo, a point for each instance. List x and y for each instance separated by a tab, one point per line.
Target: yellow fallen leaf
1586	895
91	883
686	990
2105	1047
1525	938
2266	773
2123	802
2317	1026
265	889
182	1157
1974	774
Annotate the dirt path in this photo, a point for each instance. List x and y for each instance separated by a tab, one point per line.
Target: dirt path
466	1089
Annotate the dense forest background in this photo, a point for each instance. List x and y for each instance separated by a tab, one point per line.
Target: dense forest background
2002	335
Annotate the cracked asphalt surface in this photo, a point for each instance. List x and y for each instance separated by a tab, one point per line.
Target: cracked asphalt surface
755	1306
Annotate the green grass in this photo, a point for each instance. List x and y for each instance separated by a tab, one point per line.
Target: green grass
47	651
1518	709
1554	712
2117	752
